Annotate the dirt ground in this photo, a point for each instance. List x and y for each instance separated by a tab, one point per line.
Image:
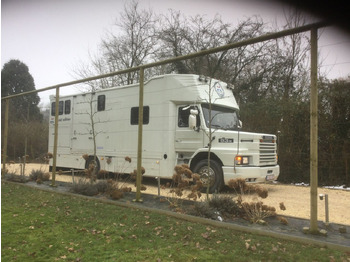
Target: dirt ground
295	198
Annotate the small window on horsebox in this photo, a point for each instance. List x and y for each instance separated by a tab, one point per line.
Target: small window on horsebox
60	108
53	109
101	102
67	107
134	118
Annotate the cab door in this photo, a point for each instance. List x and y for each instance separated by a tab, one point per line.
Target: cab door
186	139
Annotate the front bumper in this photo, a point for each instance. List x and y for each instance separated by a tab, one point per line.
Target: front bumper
251	174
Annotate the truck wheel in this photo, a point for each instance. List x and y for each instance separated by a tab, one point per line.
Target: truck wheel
212	176
90	160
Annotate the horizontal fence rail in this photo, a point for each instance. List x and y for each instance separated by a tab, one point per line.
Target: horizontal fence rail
251	41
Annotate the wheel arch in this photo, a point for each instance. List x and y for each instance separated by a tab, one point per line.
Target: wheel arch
204	155
91	158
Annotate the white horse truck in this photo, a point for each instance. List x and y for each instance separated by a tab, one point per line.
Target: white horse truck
175	131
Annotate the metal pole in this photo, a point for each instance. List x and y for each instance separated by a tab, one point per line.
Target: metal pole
4	153
313	134
72	170
139	145
55	138
26	142
326	208
158	178
158	181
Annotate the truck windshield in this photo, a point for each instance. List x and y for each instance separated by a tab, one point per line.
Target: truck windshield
222	117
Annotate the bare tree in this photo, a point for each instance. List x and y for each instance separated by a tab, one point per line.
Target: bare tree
292	59
88	114
134	46
133	43
180	35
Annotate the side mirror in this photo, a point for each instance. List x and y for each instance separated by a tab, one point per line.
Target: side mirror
192	119
240	124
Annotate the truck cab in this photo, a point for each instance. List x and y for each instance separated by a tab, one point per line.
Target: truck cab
215	129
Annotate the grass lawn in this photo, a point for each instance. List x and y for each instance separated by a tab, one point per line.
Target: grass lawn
44	226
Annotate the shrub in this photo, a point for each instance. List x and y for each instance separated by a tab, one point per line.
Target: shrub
225	205
181	181
102	174
202	209
49	155
262	192
116	194
216	207
253	210
282	206
46	176
39	175
256	211
16	178
85	188
90	173
110	188
134	173
239	185
126	189
102	186
283	220
133	176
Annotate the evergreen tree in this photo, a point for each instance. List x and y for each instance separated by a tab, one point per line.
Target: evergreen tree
16	79
25	123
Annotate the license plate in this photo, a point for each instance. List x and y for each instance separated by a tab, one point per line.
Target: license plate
270	177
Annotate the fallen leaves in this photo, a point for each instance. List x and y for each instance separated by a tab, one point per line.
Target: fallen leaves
250	246
158	230
206	235
274	248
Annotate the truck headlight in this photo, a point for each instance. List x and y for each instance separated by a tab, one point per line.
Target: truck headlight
242	160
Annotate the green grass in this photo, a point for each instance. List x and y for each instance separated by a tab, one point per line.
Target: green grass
44	226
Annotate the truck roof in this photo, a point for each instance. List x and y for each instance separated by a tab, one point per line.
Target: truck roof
181	88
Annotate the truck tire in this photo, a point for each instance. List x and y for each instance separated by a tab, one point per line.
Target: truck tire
216	183
90	160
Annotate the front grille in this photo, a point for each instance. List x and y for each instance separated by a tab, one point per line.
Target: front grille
268	149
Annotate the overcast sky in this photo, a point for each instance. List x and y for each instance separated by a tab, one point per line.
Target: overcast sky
52	36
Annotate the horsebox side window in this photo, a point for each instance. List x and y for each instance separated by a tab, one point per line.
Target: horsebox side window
53	108
101	103
134	118
67	107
